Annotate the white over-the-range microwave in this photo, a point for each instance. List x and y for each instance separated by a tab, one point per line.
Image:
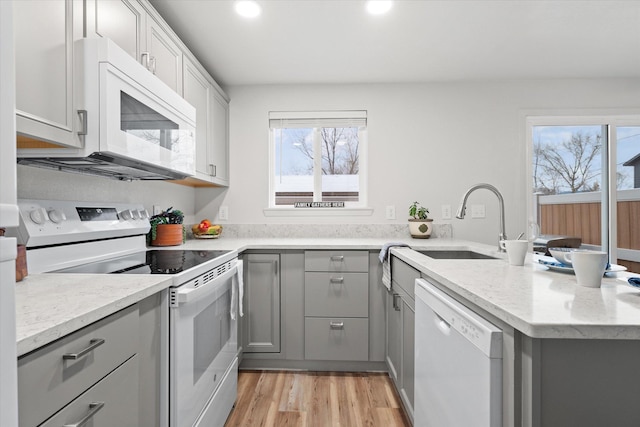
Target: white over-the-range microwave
132	125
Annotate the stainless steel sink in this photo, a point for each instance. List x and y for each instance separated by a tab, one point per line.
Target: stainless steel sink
453	254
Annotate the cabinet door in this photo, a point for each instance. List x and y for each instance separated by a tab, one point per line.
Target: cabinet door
165	56
219	154
408	354
44	33
394	336
197	91
123	21
261	331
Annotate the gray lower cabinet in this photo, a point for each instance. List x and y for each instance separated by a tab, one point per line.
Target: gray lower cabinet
313	309
261	323
111	373
400	331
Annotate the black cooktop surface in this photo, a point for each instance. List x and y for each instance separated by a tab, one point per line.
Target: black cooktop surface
154	261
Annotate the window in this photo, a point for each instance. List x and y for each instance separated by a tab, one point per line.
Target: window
318	158
586	182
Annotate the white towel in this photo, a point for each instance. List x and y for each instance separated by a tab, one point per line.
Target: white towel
385	259
237	288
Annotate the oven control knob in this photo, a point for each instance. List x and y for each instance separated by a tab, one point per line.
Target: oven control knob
57	216
126	214
143	214
39	216
135	214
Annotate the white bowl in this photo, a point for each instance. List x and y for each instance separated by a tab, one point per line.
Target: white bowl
560	255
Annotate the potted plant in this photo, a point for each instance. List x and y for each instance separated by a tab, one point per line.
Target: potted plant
167	228
419	224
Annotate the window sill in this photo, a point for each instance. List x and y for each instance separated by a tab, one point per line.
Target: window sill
313	212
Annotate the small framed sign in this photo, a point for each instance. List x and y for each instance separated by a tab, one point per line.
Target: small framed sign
318	205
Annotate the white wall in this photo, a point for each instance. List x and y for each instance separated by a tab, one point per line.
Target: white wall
427	142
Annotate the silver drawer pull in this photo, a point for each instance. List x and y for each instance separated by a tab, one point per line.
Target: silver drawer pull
93	344
337	258
336	325
336	280
94	407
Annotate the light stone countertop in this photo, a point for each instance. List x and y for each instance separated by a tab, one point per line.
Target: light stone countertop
538	302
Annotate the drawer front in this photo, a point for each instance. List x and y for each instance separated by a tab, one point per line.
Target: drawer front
336	294
111	402
404	275
356	261
337	338
47	381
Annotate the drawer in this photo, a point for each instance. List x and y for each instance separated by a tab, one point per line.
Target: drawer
111	402
337	338
47	381
336	294
403	275
356	261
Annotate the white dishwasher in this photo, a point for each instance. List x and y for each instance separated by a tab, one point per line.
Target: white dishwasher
458	363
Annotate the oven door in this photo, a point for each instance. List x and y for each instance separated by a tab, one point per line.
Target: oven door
203	344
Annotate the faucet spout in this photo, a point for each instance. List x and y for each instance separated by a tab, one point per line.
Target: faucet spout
460	213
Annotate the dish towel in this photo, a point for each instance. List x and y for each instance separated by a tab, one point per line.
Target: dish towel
386	264
237	288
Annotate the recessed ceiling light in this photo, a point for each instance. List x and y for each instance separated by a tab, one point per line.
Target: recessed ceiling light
379	7
248	8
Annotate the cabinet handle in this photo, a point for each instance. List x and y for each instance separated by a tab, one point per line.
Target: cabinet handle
144	58
336	325
82	114
339	258
94	407
153	64
212	168
93	344
336	280
396	306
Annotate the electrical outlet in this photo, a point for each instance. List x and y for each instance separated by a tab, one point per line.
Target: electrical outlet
477	211
391	212
446	211
157	210
223	213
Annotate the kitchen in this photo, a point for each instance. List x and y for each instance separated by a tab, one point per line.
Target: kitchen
446	124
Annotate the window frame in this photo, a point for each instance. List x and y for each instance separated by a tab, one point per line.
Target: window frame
609	121
359	208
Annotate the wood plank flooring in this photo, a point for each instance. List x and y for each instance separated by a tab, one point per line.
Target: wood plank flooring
316	399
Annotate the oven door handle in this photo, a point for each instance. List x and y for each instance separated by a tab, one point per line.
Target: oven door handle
186	296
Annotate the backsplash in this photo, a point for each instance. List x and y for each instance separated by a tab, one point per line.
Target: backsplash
328	230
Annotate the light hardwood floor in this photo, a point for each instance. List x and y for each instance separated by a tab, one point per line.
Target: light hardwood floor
316	399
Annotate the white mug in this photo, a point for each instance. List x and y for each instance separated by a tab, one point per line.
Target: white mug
589	267
516	250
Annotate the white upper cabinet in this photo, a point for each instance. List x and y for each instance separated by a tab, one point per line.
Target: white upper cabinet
220	143
44	34
140	34
212	116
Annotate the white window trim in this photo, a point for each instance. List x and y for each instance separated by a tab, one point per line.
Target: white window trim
613	118
361	209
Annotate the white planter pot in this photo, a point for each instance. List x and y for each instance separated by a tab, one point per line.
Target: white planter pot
420	228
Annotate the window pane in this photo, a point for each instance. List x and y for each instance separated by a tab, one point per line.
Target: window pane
293	180
567	160
340	164
628	185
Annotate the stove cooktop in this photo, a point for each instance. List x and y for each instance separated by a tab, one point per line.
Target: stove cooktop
155	261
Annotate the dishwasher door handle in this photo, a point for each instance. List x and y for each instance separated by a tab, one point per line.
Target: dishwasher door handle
443	325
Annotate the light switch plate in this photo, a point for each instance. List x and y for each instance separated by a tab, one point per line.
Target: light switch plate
446	211
477	211
390	212
223	213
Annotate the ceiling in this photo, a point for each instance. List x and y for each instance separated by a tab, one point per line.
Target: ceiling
336	41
